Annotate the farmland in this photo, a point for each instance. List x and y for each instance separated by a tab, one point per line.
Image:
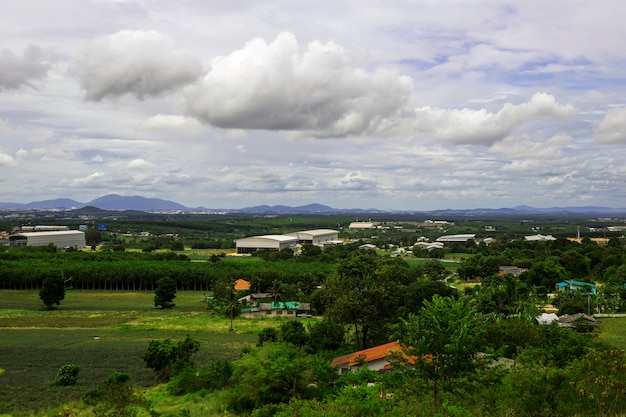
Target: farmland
102	331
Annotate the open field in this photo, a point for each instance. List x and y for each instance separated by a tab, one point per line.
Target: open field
104	332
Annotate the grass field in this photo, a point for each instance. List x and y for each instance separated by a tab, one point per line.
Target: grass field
104	332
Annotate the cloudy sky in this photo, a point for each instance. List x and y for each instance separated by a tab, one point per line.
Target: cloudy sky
401	104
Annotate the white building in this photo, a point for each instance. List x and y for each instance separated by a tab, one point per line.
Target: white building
361	225
456	238
316	237
271	242
539	238
60	239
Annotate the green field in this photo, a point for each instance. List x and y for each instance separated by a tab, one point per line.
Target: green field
104	332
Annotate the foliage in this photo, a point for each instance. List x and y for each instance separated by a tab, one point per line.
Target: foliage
293	332
166	358
325	335
268	334
115	397
68	374
363	295
93	237
52	291
444	340
191	379
273	373
165	293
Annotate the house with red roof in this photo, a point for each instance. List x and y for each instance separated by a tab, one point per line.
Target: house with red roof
376	358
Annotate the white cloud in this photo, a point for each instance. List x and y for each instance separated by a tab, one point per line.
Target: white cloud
278	86
481	127
139	164
142	63
612	129
17	71
170	122
6	160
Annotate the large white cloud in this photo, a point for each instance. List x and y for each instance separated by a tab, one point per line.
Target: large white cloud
612	129
142	63
479	126
17	71
281	86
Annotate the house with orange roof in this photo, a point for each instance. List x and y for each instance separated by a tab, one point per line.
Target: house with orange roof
377	358
242	285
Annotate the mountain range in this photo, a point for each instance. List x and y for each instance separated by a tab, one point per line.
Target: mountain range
116	202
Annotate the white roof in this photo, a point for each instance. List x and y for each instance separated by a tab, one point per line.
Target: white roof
51	233
456	238
540	237
279	238
315	232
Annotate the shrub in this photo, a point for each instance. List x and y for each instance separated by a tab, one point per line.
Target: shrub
167	358
115	397
67	375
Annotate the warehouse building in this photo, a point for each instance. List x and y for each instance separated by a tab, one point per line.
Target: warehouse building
271	242
61	239
315	237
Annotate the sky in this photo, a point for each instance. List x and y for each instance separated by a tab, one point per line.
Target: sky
401	105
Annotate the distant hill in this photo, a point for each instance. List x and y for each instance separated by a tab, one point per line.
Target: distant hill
107	202
118	202
114	202
309	208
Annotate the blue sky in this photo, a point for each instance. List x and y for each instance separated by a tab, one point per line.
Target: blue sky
413	105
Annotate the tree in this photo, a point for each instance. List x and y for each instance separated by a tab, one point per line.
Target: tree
52	291
362	295
231	307
93	237
444	339
165	293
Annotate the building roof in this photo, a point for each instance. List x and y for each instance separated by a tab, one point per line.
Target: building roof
241	285
50	233
362	225
539	237
315	232
279	238
369	355
456	238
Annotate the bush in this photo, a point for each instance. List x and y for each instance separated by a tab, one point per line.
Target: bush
167	358
191	379
115	397
67	375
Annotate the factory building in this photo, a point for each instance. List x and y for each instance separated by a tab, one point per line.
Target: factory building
270	242
60	239
315	237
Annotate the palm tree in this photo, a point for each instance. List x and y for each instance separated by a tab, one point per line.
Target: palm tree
276	292
231	307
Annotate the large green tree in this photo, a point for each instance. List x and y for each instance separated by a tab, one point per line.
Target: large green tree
52	291
362	295
446	340
165	293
